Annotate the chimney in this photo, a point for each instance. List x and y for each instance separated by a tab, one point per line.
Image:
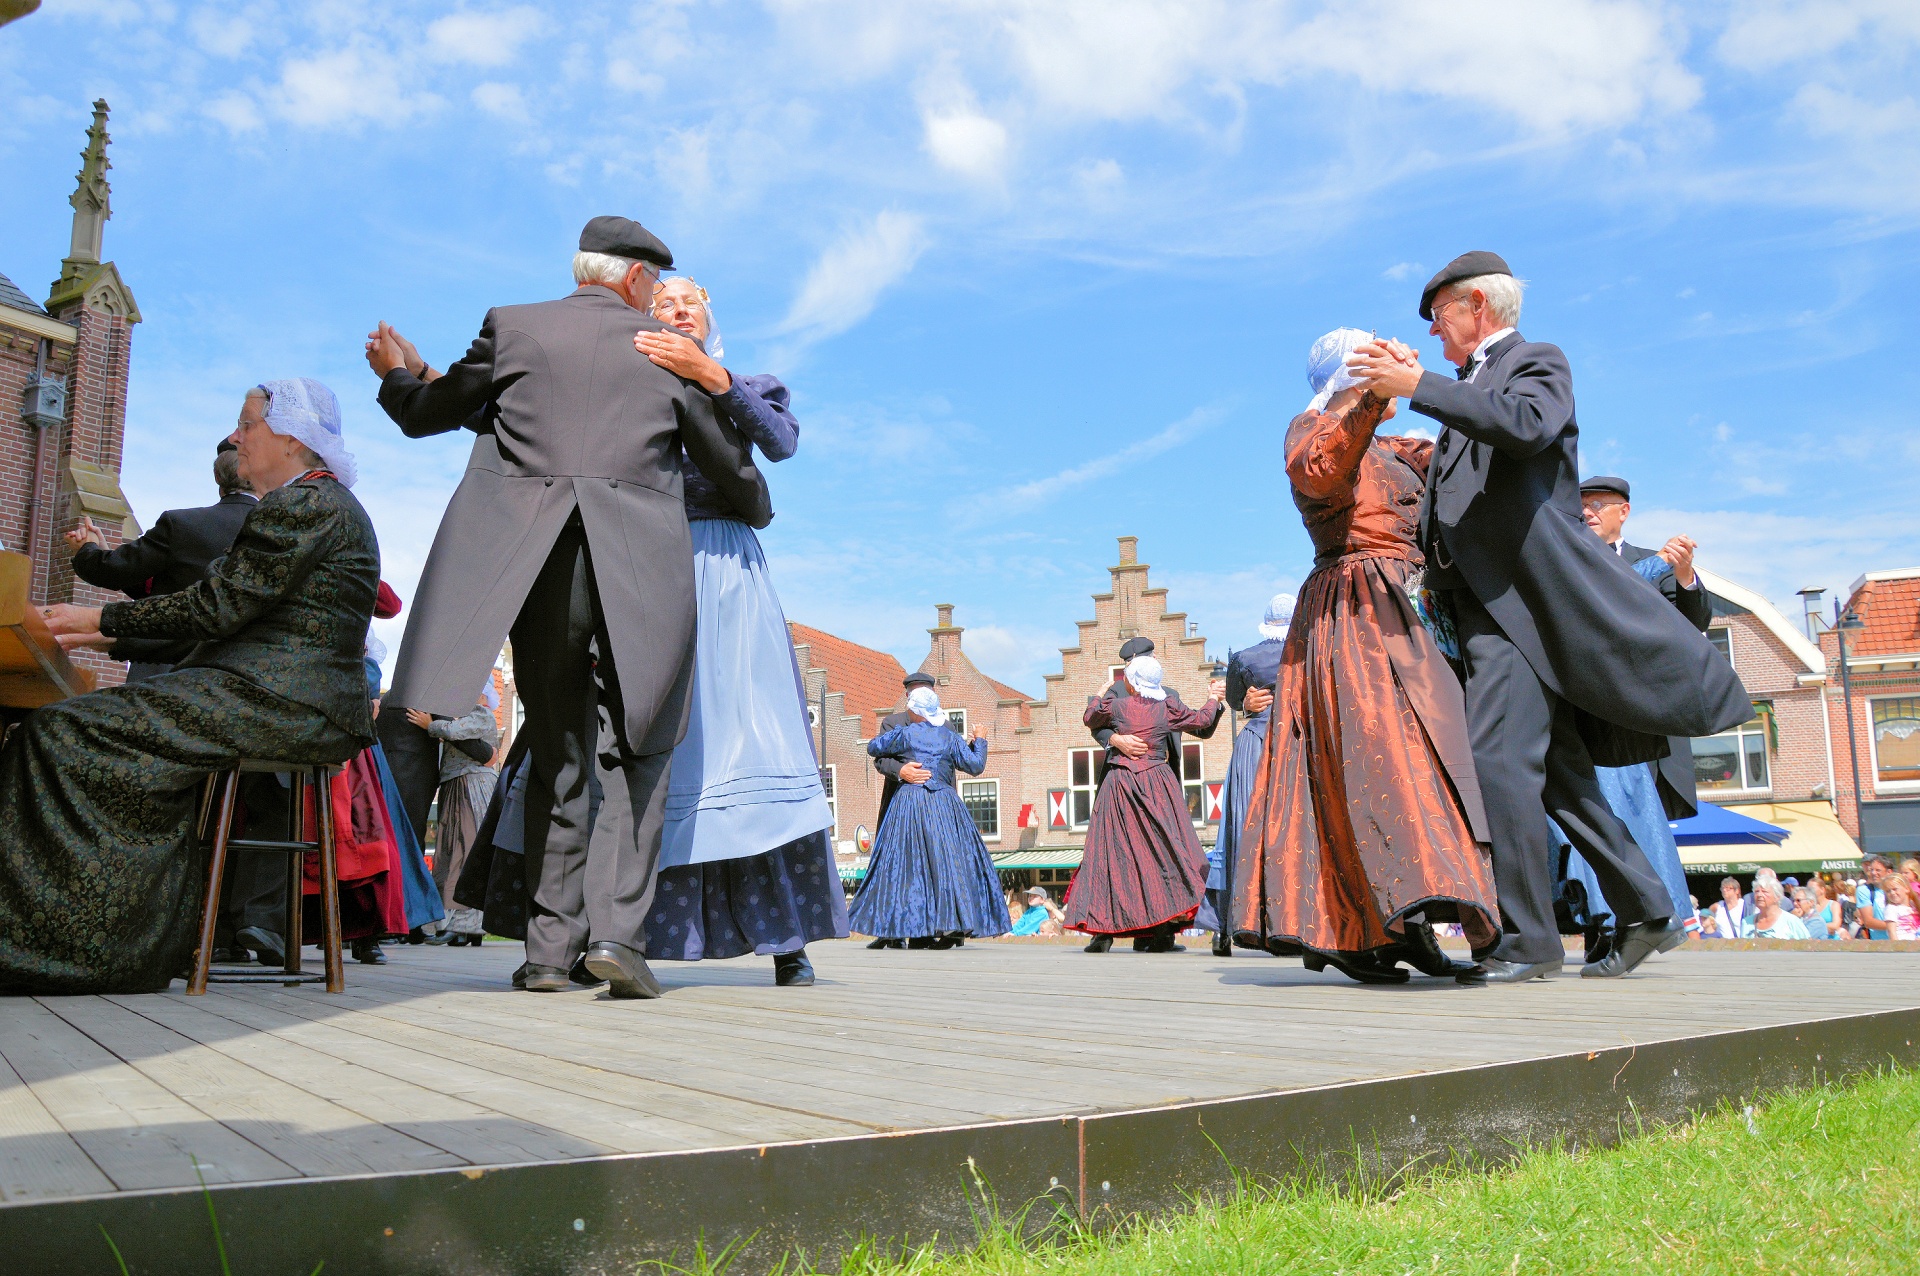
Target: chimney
1129	550
1810	600
944	612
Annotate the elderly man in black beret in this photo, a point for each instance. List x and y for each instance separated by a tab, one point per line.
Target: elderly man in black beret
569	533
1570	659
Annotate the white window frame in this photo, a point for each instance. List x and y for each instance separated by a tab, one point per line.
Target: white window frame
967	783
957	719
1728	653
1755	726
830	781
1873	748
1198	784
1096	768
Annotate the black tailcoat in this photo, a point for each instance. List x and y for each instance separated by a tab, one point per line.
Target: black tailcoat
165	560
1501	517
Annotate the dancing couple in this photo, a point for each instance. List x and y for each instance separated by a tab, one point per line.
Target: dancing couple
1391	795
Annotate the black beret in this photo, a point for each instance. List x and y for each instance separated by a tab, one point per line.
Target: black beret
1607	483
919	679
1466	266
624	237
1136	647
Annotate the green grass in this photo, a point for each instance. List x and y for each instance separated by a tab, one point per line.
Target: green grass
1818	1181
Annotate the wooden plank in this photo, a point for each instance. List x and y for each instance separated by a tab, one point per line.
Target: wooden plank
137	1133
310	1134
38	1159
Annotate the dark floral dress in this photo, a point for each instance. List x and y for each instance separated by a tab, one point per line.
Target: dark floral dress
100	877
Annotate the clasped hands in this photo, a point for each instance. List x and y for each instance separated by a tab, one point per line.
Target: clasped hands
914	773
1132	746
1389	368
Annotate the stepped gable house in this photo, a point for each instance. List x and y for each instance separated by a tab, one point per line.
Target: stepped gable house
63	402
1883	675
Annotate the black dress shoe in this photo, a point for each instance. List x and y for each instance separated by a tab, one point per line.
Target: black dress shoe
541	978
624	969
1420	950
920	942
792	970
266	946
367	952
1100	944
582	976
1363	968
1498	970
885	943
1633	945
1222	946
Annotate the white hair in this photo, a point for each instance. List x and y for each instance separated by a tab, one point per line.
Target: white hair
602	268
1503	293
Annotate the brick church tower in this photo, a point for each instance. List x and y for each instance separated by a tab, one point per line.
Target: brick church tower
66	364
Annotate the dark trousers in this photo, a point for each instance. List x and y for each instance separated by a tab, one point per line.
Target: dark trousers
255	890
1532	761
579	886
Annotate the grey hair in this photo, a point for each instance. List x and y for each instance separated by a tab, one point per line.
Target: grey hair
1771	885
1503	293
602	268
226	473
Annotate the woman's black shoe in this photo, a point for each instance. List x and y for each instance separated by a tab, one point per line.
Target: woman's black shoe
367	952
792	970
1365	968
1100	944
923	941
1420	950
1222	946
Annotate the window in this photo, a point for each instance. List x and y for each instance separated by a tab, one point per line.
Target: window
1896	741
957	719
1734	761
1084	769
1721	636
983	804
1193	780
833	803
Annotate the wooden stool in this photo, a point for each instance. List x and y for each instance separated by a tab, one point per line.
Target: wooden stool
227	785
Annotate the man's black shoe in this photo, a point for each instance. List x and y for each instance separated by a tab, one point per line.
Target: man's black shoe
1101	943
1222	946
263	944
1363	968
792	970
541	978
1420	950
1498	970
367	951
624	969
582	976
1633	945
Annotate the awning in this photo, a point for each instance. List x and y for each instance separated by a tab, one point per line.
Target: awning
1814	842
1724	826
1039	857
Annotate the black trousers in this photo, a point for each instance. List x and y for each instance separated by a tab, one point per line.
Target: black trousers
1532	762
578	886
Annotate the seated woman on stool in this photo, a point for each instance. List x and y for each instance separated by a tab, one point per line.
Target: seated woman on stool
100	877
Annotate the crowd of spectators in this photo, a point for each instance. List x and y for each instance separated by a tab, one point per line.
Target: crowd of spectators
1880	904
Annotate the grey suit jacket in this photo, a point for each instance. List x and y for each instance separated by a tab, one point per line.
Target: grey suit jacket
1501	517
570	417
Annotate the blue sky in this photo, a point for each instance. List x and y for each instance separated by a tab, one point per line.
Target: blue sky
1039	274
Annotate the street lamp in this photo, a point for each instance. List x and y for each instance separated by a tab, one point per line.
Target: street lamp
1845	622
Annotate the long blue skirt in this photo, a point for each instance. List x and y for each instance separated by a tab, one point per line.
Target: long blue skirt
1634	796
1237	790
930	873
418	893
744	780
774	903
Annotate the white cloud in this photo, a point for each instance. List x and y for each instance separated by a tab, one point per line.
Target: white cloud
223	35
846	282
1763	34
1403	270
344	87
240	113
966	142
482	39
502	101
1829	112
1193	423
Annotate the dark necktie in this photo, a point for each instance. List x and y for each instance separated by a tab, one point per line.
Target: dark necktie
1466	369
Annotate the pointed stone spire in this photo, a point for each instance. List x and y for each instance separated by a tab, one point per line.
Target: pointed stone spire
83	276
92	199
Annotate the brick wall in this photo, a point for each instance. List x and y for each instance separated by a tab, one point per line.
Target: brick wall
1797	757
1878	678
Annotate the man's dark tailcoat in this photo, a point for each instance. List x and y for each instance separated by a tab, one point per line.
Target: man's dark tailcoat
570	531
1570	659
1679	792
172	555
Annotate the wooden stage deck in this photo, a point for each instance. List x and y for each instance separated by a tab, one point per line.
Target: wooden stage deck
430	1064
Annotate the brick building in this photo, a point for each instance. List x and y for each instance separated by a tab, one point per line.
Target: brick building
849	688
65	364
1883	685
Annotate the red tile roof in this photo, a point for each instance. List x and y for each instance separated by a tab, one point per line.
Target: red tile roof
1013	693
869	679
1891	609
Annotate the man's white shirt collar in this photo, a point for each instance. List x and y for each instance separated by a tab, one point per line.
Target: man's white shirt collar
1478	358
